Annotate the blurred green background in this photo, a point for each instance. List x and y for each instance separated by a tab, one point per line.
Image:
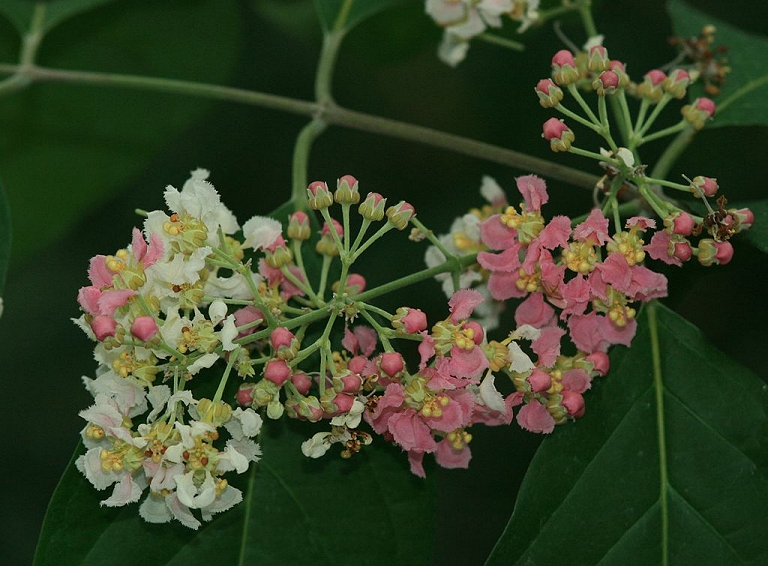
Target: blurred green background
77	160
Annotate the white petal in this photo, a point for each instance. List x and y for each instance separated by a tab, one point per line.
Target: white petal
230	497
261	232
181	512
490	395
126	491
491	191
316	446
204	361
228	333
217	311
520	362
154	510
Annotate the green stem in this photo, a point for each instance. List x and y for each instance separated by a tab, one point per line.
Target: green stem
603	110
665	132
379	330
673	151
592	155
501	41
585	11
571	114
324	276
574	92
658	386
639	133
301	149
330	114
223	383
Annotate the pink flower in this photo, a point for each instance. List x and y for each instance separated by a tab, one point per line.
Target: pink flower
534	311
592	332
503	286
98	272
576	380
573	403
659	248
506	261
547	345
103	327
463	363
535	418
247	315
148	255
448	457
496	235
362	338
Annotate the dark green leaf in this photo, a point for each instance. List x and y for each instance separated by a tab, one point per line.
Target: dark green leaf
741	99
92	139
329	10
668	459
757	235
20	12
5	240
295	511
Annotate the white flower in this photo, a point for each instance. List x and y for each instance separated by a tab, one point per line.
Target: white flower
261	232
228	333
316	446
158	396
593	41
192	495
204	361
235	286
352	418
217	311
200	200
244	423
228	498
126	491
126	392
452	49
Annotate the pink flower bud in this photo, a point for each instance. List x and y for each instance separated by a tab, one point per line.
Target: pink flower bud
281	337
724	252
652	86
744	218
682	250
343	403
357	364
346	190
606	83
278	254
372	208
299	226
410	321
704	185
598	60
277	371
144	328
302	382
712	252
351	382
680	223
549	93
573	403
601	363
699	112
244	395
319	196
391	363
676	83
621	71
400	214
558	134
539	380
355	284
103	326
326	231
564	70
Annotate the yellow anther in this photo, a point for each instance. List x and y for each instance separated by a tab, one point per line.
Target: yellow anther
122	254
510	218
462	241
444	400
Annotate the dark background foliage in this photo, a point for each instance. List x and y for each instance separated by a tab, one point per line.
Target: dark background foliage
77	160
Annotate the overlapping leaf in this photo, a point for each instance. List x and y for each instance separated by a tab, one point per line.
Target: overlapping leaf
21	12
742	98
668	466
352	11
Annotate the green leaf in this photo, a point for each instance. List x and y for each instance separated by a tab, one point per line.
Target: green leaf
295	511
93	139
757	235
668	466
20	12
741	99
352	12
5	240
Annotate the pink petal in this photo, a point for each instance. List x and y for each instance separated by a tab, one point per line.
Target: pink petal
462	303
411	432
616	272
88	299
508	260
98	272
450	458
111	300
534	311
576	380
416	461
534	191
594	228
496	235
642	222
556	233
155	251
138	245
547	346
535	418
502	286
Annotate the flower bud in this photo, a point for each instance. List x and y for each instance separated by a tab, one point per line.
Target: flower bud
277	371
391	363
743	218
598	59
601	363
409	321
338	404
712	252
319	196
606	83
677	83
477	331
372	208
705	186
558	134
299	226
302	382
144	328
564	70
573	403
697	113
326	245
103	327
278	254
400	214
549	93
346	190
284	343
652	86
539	380
621	71
244	395
680	223
351	382
682	250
